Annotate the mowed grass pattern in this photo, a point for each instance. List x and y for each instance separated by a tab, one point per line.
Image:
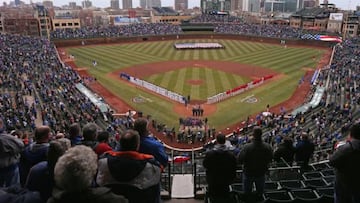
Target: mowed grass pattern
288	61
211	81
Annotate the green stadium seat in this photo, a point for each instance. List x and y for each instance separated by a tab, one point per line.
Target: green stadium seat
291	184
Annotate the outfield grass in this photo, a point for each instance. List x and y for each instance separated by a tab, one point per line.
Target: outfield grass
287	61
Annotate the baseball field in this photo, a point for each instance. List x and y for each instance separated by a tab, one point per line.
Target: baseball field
200	74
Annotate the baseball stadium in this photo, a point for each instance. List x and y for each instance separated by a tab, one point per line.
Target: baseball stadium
213	109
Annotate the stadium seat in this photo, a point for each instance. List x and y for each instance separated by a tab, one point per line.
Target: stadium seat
328	172
237	187
284	174
327	194
291	184
305	195
270	186
330	180
314	183
233	197
311	175
278	196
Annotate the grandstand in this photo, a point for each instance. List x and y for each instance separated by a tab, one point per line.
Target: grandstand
28	100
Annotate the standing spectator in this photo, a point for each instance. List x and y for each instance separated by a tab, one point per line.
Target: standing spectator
256	157
74	134
74	174
220	166
89	132
304	150
10	149
103	146
148	144
35	152
285	151
346	163
41	175
130	169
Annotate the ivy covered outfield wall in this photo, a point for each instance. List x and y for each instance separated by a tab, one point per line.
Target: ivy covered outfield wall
94	41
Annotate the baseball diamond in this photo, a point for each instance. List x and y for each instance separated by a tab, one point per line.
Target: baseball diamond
217	69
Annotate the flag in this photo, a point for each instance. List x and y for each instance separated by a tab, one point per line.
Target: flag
327	38
330	38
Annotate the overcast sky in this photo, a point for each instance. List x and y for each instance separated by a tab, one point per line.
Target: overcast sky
343	4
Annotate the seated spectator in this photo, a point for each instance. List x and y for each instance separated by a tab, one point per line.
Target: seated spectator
74	174
36	152
129	172
89	132
10	149
103	146
304	151
74	134
256	157
220	166
285	151
148	144
41	175
346	163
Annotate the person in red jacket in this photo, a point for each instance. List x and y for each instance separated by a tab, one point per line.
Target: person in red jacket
103	146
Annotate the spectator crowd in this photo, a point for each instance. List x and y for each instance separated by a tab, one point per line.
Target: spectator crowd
48	127
134	29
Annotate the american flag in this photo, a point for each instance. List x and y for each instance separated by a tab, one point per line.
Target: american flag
322	37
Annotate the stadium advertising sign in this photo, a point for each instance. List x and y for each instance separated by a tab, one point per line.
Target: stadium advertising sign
336	16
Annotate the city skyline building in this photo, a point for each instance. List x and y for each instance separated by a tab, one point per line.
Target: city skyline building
114	4
86	4
147	4
181	5
126	4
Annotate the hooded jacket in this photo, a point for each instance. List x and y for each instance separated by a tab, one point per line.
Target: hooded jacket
10	149
130	167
